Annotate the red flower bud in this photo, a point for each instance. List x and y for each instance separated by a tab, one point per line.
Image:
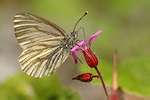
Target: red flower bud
87	77
90	57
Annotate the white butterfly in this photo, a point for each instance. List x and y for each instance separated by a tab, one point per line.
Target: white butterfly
45	45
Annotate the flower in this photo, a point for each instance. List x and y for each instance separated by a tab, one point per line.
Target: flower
84	47
87	77
91	60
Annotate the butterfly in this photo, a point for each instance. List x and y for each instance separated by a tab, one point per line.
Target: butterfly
45	45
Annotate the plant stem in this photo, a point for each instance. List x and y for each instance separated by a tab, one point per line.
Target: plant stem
114	84
102	82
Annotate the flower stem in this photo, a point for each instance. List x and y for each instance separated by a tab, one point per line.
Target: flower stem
114	84
102	82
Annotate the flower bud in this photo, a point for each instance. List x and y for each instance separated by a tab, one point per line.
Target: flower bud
87	77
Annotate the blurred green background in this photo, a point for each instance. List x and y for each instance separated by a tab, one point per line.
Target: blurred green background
126	28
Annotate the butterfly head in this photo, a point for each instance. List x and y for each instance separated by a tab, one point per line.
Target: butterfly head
73	36
71	42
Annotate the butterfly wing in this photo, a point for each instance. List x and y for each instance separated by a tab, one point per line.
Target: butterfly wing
43	43
30	28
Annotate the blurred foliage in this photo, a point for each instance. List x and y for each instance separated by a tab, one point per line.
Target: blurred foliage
133	74
24	87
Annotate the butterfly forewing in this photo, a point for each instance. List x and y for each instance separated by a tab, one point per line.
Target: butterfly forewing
43	43
30	28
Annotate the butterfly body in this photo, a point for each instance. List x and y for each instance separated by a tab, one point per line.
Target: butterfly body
45	45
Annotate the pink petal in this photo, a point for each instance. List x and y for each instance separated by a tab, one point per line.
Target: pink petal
81	44
91	38
75	57
75	49
78	47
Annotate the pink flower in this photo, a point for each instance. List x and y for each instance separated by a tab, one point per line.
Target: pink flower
84	47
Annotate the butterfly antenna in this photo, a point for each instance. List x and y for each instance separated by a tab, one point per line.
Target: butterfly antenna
79	20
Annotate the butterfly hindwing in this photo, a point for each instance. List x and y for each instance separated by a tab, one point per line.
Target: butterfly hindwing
43	61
